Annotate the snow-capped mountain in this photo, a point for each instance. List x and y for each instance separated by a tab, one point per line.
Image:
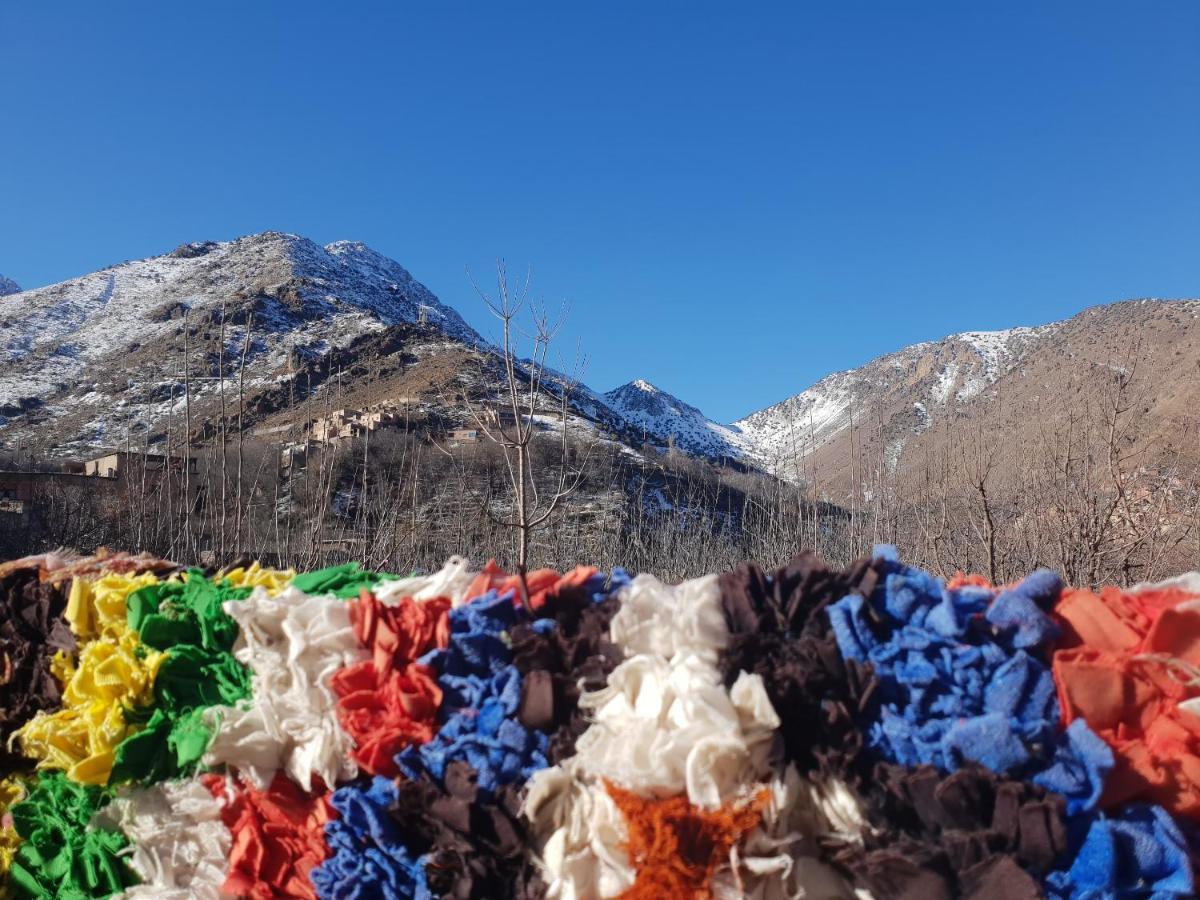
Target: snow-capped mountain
50	335
8	286
933	394
112	341
908	388
664	419
100	360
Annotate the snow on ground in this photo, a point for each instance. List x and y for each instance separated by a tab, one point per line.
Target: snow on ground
802	423
995	347
971	387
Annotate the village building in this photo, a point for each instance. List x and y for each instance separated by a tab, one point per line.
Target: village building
353	423
123	463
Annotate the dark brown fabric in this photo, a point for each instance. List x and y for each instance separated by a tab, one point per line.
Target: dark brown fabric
933	835
779	630
956	823
32	629
999	878
558	665
476	847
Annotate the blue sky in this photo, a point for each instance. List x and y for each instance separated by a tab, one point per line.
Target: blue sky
734	202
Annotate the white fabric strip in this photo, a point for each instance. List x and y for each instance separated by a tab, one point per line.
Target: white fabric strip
293	643
180	845
664	725
452	581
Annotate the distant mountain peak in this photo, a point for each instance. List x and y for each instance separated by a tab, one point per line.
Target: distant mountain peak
305	299
641	395
8	286
665	419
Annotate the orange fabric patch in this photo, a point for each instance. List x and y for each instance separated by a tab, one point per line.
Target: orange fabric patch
1102	623
542	583
278	836
675	847
1131	659
391	701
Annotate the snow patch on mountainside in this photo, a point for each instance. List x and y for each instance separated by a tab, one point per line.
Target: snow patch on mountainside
996	347
942	389
800	424
304	297
907	385
665	418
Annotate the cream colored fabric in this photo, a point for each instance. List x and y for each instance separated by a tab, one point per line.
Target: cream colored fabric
180	845
665	724
293	643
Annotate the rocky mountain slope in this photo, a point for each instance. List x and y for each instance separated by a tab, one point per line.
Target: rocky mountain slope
665	419
8	286
890	408
906	390
893	405
88	360
99	361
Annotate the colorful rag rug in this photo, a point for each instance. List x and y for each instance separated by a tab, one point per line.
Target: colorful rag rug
799	733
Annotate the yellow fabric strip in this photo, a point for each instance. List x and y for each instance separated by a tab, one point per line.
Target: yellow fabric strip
114	672
10	792
96	607
273	580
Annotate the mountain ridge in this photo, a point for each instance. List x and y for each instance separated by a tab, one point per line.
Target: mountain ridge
892	405
100	332
94	360
938	373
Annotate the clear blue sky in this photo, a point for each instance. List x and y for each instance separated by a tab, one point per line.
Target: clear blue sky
734	203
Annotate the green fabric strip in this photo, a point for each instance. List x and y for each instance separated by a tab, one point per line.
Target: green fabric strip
344	581
187	621
62	857
189	612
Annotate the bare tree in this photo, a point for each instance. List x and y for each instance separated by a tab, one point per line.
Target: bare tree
528	390
187	443
238	540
